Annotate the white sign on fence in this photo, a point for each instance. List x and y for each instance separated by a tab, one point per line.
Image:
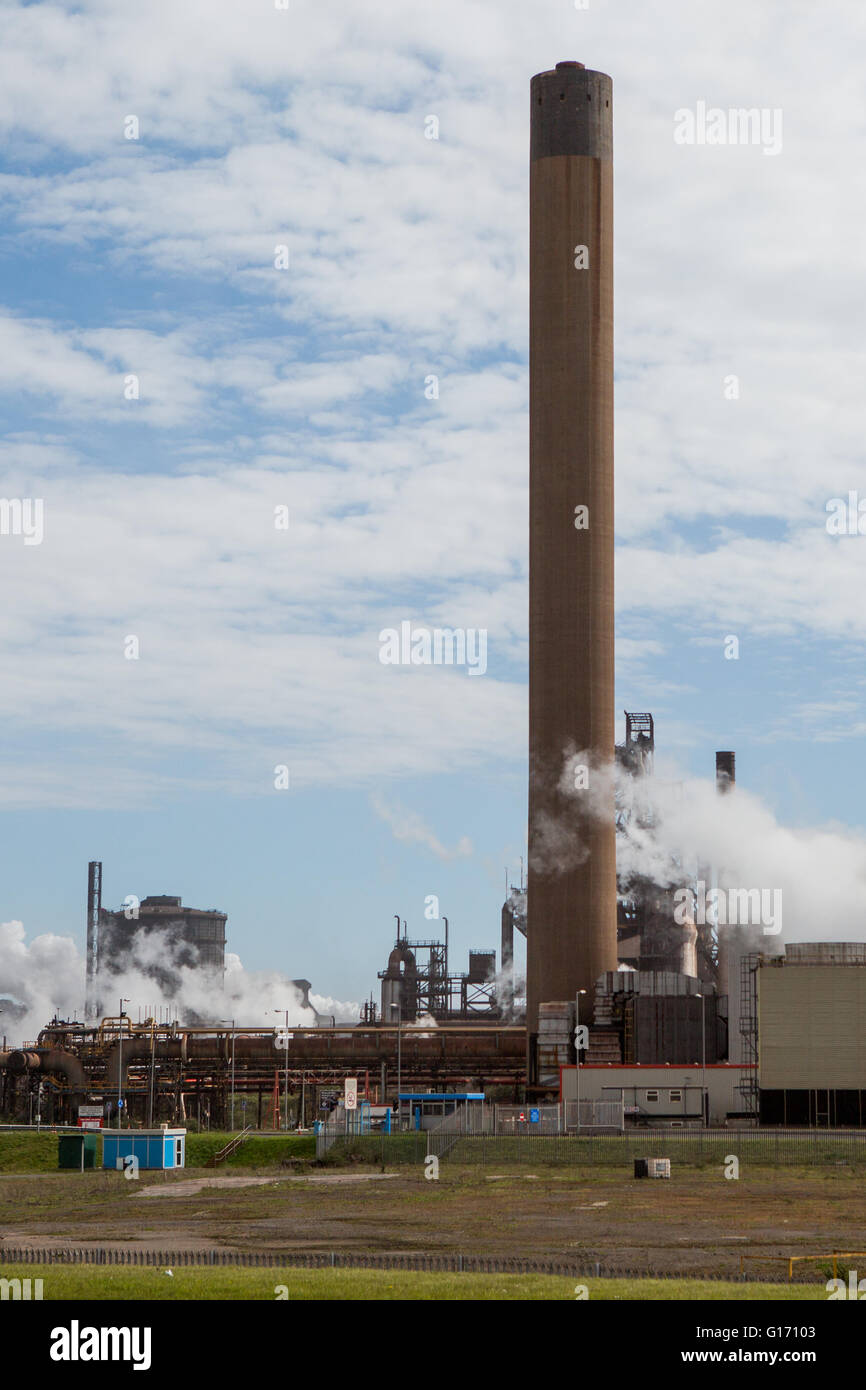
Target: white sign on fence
350	1095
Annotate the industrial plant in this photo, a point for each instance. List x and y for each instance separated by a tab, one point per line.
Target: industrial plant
667	1015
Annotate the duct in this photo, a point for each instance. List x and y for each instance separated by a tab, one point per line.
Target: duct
18	1061
68	1066
137	1049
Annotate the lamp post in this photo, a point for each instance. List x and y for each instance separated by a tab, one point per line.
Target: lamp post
152	1069
286	1081
399	1008
577	1049
703	1060
120	1067
232	1022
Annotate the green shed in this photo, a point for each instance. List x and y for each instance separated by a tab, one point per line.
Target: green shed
78	1151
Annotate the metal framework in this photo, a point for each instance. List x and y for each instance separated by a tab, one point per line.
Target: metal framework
749	1030
171	1073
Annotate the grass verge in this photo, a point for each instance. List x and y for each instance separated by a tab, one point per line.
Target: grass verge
340	1285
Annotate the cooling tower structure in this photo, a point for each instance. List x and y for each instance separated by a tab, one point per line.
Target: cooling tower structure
571	901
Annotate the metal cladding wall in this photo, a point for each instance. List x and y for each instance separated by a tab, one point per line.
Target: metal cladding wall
672	1029
811	1027
571	903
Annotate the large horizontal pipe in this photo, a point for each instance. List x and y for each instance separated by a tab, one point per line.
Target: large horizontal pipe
18	1061
118	1057
50	1060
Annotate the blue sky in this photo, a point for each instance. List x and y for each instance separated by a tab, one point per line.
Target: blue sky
304	387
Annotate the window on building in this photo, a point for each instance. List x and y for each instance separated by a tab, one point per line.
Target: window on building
652	1097
677	1097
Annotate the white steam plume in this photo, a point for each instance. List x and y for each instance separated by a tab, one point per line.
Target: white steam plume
820	871
46	977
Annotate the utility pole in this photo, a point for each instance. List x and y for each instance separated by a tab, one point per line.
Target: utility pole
152	1067
704	1106
232	1022
286	1083
577	1049
120	1067
399	1008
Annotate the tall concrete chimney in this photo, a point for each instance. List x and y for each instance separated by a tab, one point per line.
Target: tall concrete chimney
571	904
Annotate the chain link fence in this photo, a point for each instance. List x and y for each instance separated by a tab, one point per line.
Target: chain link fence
792	1148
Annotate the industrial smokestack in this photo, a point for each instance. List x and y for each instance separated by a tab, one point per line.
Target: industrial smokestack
571	936
94	917
726	771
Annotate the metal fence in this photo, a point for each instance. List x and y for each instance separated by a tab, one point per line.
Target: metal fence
456	1263
513	1121
700	1147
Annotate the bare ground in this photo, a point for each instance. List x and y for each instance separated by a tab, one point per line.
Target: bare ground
697	1223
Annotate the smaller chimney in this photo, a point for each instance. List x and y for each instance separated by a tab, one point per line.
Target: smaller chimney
726	774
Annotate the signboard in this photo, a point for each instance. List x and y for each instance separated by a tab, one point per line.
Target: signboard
350	1093
90	1124
329	1097
90	1117
534	1117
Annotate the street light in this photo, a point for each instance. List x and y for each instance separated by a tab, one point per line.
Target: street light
120	1067
703	1060
399	1009
152	1071
232	1022
577	1048
286	1085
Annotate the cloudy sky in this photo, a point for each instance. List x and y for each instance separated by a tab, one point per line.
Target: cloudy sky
168	382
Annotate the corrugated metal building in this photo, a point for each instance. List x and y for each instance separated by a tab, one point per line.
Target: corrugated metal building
812	1035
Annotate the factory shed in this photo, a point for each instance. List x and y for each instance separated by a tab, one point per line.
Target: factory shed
811	1034
149	1148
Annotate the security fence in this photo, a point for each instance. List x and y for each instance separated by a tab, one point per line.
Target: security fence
512	1121
12	1257
702	1147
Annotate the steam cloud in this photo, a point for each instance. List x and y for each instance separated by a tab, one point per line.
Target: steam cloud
821	871
46	977
410	828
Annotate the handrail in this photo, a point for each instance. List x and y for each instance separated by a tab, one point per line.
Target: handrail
231	1147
